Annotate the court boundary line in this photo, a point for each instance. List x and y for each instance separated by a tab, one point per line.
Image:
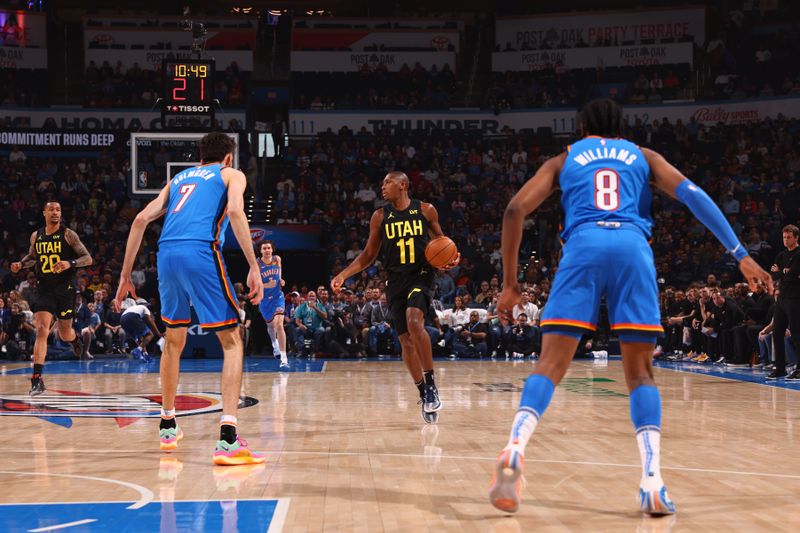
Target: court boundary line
146	495
473	458
730	376
279	516
56	527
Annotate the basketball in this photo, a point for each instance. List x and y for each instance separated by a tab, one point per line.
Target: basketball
440	251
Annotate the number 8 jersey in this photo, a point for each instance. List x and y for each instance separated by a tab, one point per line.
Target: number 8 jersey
605	179
196	209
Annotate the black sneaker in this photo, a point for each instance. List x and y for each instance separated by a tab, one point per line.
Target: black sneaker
794	376
37	387
776	375
431	403
428	418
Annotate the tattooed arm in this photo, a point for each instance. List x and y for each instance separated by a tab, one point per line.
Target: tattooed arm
84	257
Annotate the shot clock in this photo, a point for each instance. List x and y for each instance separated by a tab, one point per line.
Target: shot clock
187	99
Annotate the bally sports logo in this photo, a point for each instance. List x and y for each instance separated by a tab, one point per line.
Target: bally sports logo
57	405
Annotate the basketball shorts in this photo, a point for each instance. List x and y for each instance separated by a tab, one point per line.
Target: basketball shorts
134	325
56	300
193	274
272	304
615	262
418	295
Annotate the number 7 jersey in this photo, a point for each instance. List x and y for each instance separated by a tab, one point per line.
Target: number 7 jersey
608	180
197	206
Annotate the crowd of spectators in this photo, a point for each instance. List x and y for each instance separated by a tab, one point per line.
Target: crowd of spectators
751	170
753	54
374	87
120	86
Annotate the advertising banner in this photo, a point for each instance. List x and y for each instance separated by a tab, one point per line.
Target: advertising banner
567	30
65	141
358	39
285	237
23	40
227	39
580	58
152	59
93	119
561	121
356	61
23	29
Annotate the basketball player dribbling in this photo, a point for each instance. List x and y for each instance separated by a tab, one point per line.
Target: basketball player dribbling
273	304
605	194
199	203
55	251
399	232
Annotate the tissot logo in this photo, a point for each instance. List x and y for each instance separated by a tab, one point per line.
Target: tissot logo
120	406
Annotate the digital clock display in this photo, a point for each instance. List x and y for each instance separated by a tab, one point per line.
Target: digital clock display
188	82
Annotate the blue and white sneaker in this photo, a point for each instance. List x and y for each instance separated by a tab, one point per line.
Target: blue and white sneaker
431	402
146	357
284	367
656	502
137	353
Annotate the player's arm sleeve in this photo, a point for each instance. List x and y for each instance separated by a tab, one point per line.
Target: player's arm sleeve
670	180
706	211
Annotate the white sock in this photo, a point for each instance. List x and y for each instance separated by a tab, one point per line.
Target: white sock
167	413
650	451
521	430
227	420
275	346
283	357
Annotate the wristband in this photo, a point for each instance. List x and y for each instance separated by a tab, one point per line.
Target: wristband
707	212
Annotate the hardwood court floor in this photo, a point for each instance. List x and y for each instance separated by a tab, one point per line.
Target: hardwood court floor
347	451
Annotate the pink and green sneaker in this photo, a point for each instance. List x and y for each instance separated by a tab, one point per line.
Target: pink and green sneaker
169	438
236	454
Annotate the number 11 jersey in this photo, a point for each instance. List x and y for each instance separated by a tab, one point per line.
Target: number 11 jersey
605	179
404	235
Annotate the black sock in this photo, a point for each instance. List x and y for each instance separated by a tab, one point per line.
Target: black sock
37	370
167	423
227	433
428	377
421	386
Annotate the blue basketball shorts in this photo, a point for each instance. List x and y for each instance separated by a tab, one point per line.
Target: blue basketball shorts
194	274
615	262
272	304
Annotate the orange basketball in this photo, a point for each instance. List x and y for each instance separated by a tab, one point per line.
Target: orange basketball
441	251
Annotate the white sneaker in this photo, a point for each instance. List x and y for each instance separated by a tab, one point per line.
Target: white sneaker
656	502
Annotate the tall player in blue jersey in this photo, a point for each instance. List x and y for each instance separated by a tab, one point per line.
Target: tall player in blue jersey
605	193
273	304
199	203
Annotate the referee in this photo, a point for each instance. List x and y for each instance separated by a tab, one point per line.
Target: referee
786	271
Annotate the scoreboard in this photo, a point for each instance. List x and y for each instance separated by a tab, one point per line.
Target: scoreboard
188	95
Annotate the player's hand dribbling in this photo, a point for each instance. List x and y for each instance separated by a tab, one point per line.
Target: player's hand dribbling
754	274
336	284
509	297
16	266
452	264
255	285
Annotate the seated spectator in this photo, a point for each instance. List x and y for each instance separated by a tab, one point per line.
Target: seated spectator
470	339
309	320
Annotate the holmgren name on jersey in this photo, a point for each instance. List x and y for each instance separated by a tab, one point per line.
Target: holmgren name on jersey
198	172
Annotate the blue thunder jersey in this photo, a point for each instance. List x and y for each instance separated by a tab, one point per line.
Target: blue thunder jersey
196	210
270	272
605	179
